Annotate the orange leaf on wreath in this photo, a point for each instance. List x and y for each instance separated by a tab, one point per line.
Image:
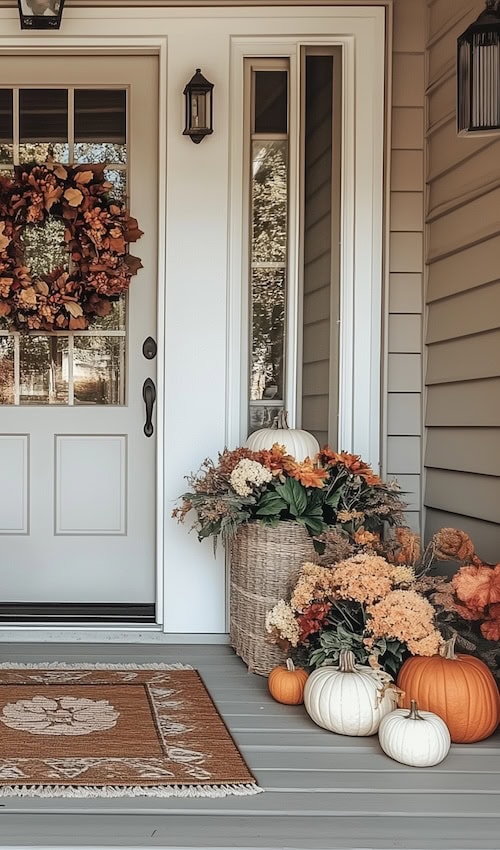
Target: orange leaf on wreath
74	197
77	324
73	308
4	308
4	240
84	176
51	196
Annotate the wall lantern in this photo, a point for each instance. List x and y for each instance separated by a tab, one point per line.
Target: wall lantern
199	108
478	74
40	14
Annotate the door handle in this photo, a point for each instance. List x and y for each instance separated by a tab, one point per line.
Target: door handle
149	396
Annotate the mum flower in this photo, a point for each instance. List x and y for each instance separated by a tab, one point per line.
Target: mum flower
478	586
403	615
247	475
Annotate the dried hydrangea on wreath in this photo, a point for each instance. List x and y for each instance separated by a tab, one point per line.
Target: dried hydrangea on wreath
97	230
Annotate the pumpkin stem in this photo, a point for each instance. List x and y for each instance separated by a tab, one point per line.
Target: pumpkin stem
347	661
281	421
448	650
290	666
414	713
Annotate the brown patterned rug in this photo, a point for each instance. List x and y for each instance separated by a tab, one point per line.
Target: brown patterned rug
96	730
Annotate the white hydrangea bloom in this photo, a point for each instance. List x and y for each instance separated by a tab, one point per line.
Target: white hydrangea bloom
248	474
281	618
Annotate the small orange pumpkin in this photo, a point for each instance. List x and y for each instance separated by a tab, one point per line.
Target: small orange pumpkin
459	688
286	684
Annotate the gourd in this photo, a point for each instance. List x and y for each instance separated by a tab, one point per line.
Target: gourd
300	444
420	738
459	688
349	699
286	684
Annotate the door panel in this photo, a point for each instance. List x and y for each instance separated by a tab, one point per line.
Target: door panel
77	495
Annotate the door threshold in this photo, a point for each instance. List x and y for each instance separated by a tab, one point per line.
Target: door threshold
77	614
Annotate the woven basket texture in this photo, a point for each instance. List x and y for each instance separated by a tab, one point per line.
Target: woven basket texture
265	562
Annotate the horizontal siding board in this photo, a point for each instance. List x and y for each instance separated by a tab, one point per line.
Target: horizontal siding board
315	377
450	448
464	493
403	455
406	252
464	314
405	373
315	413
464	359
407	171
447	150
318	238
410	489
469	404
486	535
405	292
472	175
407	211
404	414
405	334
317	271
408	79
317	305
475	221
465	270
409	26
316	344
441	99
407	128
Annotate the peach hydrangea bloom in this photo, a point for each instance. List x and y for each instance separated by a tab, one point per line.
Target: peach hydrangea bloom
403	615
314	584
363	578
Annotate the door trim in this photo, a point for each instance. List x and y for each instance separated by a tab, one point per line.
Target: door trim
19	45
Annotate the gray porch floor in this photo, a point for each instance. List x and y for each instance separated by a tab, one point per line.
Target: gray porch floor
323	791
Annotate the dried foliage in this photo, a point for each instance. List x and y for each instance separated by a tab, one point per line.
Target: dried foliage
97	230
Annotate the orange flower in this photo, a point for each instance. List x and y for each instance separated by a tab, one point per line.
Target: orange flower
477	586
467	613
308	474
274	459
353	463
313	618
365	538
410	548
453	545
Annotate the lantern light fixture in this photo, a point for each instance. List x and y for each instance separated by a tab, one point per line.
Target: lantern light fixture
478	74
199	108
40	14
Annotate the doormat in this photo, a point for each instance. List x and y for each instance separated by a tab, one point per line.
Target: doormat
97	730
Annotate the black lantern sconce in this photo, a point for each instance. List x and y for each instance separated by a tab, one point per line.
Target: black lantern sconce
40	14
199	108
478	74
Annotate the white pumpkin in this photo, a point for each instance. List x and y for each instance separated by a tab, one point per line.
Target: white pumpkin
300	444
420	738
349	699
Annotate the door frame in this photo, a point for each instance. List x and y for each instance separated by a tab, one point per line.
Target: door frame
17	46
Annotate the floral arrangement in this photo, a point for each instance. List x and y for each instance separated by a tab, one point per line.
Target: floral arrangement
363	604
330	491
382	604
96	232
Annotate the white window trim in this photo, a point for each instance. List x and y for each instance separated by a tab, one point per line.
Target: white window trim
361	230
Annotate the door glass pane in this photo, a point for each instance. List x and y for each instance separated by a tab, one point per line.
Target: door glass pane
271	102
100	125
43	125
43	369
269	200
98	367
7	380
44	247
6	125
268	334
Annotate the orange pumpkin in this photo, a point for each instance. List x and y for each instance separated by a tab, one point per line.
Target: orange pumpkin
286	684
459	688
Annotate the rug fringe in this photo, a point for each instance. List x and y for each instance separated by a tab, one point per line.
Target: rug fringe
63	665
86	791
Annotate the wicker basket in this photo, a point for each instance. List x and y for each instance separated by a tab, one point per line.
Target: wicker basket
265	562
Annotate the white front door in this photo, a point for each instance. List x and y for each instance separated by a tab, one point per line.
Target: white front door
77	472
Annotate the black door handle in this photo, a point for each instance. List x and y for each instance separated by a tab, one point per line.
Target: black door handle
149	396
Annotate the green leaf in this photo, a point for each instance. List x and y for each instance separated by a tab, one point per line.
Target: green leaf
314	524
333	499
294	495
271	504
